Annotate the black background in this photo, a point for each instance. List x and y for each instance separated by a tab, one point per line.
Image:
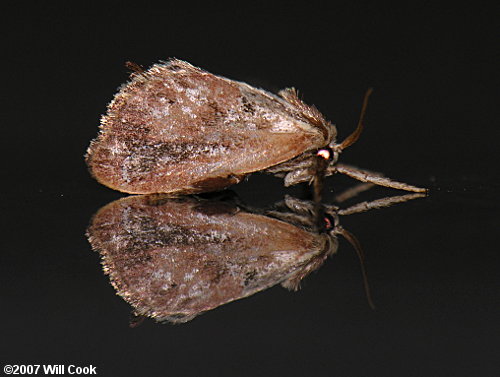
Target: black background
432	121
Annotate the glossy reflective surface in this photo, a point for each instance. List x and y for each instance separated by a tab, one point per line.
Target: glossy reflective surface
172	259
431	270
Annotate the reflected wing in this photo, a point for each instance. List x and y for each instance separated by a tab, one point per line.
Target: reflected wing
174	259
177	128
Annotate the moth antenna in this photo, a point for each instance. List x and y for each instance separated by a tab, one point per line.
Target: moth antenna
361	255
352	138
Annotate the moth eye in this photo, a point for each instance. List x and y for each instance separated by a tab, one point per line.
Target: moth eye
326	153
328	222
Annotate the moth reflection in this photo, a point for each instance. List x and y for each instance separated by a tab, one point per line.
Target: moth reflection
175	258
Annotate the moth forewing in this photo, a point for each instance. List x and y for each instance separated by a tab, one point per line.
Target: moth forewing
176	128
173	259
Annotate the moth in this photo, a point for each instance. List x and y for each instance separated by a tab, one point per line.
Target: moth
176	128
175	258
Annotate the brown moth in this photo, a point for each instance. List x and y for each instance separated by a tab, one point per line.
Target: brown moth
175	258
178	129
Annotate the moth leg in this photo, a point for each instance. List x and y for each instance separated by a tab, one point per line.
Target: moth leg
298	176
358	189
302	211
298	170
353	192
367	176
376	204
300	206
291	217
288	166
